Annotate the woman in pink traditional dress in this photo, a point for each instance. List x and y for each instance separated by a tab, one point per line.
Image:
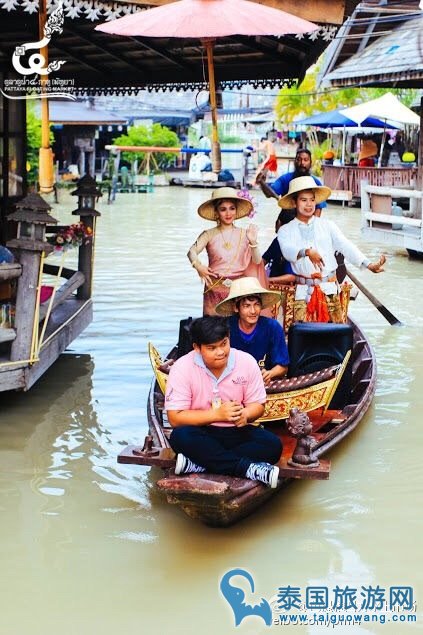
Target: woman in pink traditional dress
232	252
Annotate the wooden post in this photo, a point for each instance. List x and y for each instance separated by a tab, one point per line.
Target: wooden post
87	192
85	261
365	203
216	155
25	304
32	217
46	170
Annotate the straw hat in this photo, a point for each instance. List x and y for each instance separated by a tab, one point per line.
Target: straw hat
368	149
321	192
243	207
242	288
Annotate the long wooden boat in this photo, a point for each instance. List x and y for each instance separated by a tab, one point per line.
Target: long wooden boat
219	500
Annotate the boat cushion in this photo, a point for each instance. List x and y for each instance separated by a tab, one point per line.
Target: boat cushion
302	381
281	385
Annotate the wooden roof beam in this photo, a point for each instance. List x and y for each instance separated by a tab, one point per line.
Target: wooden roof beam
322	11
173	59
103	48
79	60
259	46
368	34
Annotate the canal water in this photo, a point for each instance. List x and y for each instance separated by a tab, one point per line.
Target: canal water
89	546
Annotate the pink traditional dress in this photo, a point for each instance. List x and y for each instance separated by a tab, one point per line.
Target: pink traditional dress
231	258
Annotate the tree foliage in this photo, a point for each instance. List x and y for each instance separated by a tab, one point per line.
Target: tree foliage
307	99
155	135
33	141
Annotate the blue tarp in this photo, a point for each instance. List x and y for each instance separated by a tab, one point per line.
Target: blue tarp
334	119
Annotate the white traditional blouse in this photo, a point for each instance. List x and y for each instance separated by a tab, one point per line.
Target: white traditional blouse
324	236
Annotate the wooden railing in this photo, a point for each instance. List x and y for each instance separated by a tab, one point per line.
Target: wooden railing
74	280
349	177
376	210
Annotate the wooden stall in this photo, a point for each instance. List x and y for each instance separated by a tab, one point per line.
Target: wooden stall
350	177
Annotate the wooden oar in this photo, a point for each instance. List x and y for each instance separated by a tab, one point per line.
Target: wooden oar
267	190
393	321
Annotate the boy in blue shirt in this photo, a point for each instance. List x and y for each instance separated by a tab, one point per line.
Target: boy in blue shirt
253	333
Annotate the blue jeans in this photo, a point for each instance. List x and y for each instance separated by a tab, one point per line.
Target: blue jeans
226	450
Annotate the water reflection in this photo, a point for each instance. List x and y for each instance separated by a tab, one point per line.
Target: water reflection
89	543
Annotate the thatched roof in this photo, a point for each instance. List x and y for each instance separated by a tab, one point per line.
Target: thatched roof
380	46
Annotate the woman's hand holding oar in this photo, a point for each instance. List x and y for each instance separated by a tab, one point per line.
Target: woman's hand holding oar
377	267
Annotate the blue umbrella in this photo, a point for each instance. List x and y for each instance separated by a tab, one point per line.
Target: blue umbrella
335	119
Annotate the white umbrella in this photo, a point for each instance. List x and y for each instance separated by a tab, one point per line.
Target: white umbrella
388	108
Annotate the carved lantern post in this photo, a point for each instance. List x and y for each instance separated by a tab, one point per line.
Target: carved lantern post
87	193
32	216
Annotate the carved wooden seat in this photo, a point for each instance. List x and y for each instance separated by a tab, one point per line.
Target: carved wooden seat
302	381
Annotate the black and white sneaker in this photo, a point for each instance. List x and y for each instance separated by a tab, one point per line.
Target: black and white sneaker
264	472
186	466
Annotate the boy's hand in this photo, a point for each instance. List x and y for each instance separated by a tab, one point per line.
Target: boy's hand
230	411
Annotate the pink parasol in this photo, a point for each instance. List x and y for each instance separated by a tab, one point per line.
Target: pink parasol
207	20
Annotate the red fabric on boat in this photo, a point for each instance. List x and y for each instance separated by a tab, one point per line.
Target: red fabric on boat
46	292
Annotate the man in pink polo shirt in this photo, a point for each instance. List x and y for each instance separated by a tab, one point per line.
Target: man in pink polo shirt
213	395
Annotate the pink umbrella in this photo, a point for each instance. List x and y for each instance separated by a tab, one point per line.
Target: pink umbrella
207	20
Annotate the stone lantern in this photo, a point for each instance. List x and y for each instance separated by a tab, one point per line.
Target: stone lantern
87	192
32	216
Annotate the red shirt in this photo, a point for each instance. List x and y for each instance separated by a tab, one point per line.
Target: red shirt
369	162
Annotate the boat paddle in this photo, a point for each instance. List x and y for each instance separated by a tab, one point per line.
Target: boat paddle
393	321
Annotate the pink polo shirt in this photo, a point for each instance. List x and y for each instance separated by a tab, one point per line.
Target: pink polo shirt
192	386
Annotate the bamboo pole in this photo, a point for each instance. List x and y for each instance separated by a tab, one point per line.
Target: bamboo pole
216	155
45	166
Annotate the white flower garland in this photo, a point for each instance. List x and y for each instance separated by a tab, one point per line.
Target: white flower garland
326	32
90	9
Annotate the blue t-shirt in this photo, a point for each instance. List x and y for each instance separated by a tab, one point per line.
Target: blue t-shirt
266	342
278	265
281	185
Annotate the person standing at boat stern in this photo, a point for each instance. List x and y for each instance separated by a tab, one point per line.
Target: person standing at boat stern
232	252
309	243
253	333
214	395
302	167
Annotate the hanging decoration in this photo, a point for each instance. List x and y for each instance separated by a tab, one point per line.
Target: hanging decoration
94	11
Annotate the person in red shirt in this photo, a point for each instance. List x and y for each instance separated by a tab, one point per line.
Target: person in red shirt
368	154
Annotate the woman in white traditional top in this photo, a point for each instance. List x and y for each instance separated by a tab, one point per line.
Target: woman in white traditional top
309	243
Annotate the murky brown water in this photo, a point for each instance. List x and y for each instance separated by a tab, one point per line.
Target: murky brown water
88	545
